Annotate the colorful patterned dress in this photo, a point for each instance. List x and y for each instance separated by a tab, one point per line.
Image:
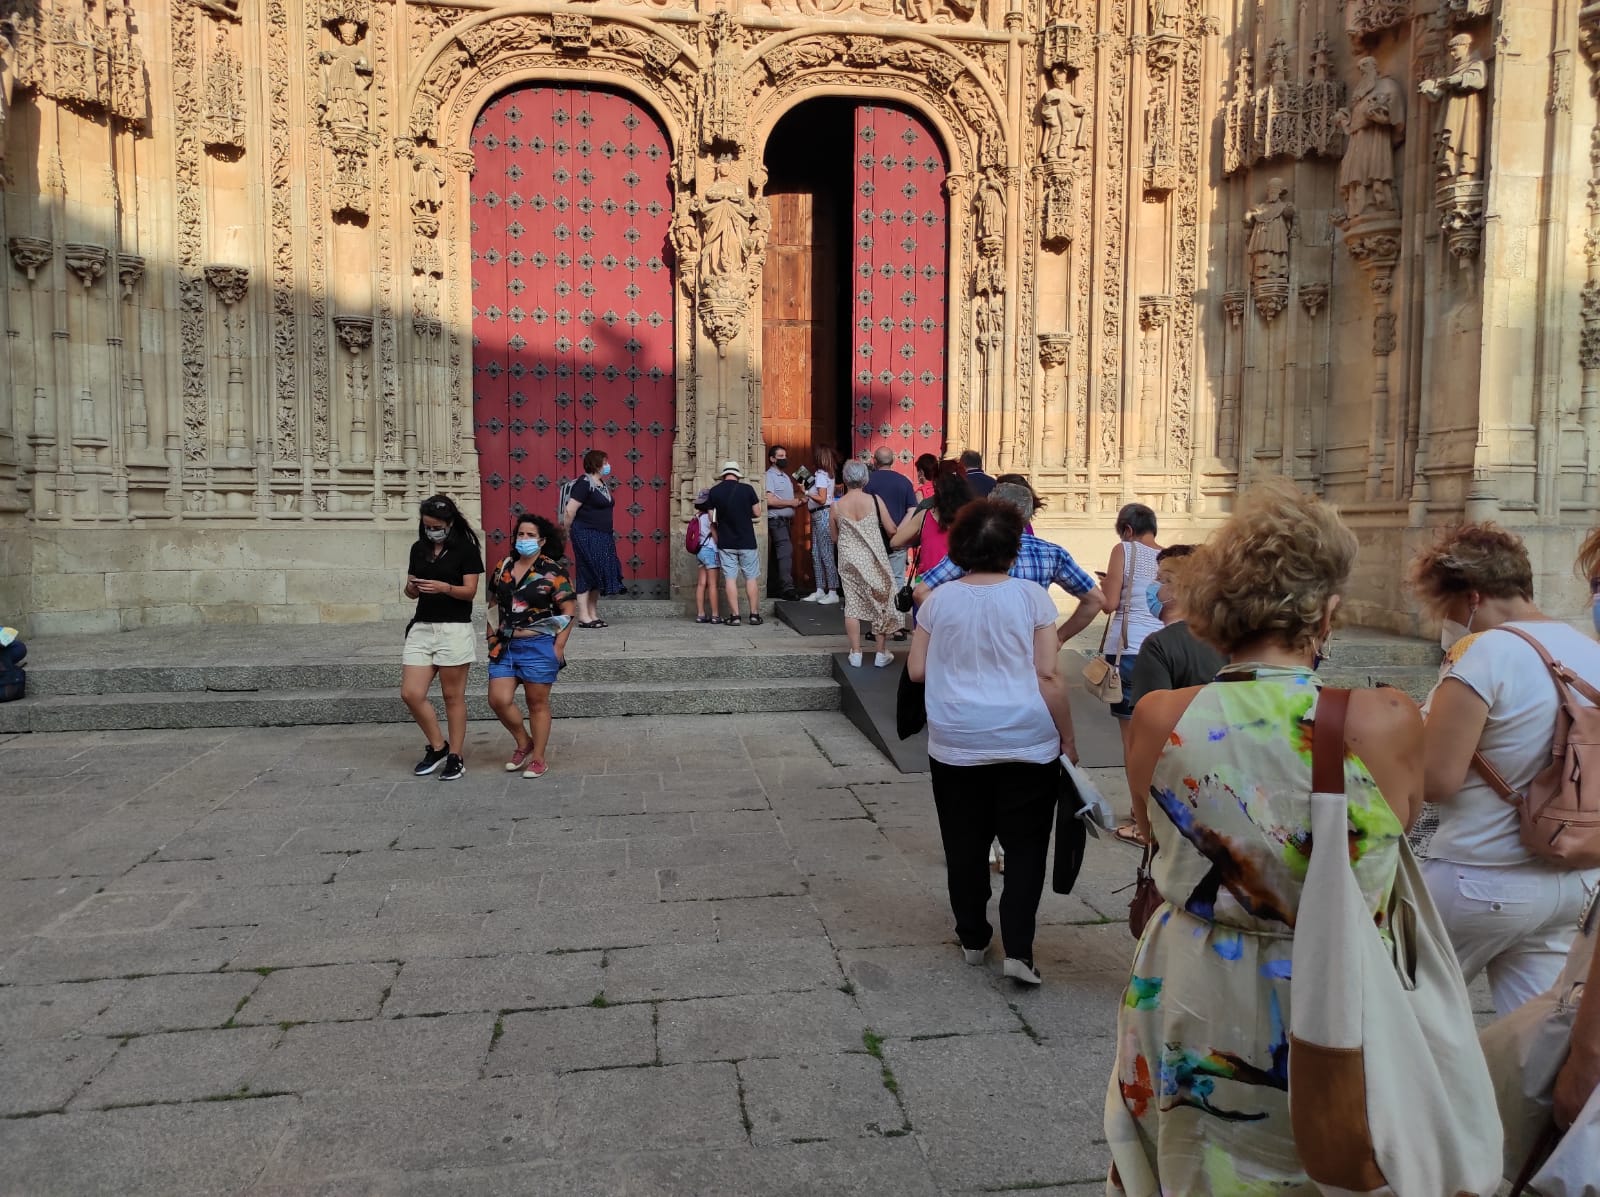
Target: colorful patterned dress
1199	1102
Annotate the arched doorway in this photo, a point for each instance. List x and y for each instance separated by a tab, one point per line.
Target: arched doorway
572	307
855	286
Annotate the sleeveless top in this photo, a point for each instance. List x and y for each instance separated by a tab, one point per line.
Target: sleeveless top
1134	581
1235	781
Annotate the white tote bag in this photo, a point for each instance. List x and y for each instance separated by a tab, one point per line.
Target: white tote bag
1526	1050
1388	1089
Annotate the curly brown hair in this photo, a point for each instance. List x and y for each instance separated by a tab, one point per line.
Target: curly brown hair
1589	556
1268	572
1471	558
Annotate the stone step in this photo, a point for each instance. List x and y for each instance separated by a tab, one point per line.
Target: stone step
50	681
286	708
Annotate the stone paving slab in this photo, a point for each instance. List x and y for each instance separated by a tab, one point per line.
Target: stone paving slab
652	972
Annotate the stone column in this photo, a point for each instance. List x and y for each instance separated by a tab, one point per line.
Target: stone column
1055	445
231	283
1589	342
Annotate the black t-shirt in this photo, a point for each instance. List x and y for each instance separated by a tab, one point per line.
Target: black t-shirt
597	510
980	482
1173	659
735	507
451	566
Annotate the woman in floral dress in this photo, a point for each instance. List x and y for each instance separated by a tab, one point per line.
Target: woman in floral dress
1199	1101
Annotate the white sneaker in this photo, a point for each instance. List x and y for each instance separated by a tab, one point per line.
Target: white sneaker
829	599
974	955
883	660
997	858
855	660
814	597
1022	971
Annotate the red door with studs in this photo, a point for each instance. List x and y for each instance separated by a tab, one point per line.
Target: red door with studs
572	305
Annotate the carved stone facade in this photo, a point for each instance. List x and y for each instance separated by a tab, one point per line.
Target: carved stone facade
1192	244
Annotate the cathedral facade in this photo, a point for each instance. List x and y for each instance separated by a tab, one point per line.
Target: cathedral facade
279	269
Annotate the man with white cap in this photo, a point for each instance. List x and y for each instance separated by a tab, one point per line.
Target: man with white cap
736	505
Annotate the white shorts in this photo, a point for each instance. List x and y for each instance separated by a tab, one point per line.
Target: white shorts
440	644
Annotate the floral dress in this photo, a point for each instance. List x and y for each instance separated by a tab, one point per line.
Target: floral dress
864	571
1199	1102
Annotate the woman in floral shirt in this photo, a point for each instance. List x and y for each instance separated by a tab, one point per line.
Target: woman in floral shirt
530	618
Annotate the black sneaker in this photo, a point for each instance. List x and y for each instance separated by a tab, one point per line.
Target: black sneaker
454	768
432	758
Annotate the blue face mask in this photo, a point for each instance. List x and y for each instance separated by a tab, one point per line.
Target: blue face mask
527	547
1152	599
605	469
1595	611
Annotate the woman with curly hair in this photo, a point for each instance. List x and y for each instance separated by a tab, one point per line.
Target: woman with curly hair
530	618
1220	776
1509	912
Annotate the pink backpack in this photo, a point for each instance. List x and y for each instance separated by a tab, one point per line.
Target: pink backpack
692	540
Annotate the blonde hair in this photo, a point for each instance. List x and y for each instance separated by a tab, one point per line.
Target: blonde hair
1471	557
1268	572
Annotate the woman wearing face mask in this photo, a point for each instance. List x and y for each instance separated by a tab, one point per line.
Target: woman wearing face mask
588	517
446	564
530	618
1509	912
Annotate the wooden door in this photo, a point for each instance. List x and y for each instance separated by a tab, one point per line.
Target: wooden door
799	338
572	306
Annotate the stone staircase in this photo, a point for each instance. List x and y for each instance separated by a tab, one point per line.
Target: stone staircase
651	661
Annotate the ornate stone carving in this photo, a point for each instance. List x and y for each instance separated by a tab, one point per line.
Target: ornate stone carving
1233	302
1062	116
130	271
1065	45
1364	18
63	51
280	191
1270	223
31	253
350	189
721	101
1154	311
229	282
88	262
223	119
1285	117
1458	122
571	33
733	230
1313	297
1375	123
1054	349
346	78
1160	155
355	332
1589	342
1064	141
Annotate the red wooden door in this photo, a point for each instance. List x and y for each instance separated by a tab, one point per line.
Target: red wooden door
572	307
901	231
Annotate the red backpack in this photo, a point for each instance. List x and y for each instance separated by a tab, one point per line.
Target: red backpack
692	540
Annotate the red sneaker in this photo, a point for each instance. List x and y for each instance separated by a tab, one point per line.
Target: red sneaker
535	769
518	758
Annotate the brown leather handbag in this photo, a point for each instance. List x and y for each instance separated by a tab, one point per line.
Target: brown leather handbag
1147	898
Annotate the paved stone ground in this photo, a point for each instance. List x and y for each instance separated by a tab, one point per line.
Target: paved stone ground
703	955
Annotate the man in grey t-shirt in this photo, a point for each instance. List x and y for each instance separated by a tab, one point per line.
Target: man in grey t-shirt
781	506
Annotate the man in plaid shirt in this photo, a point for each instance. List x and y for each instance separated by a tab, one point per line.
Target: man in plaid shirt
1037	561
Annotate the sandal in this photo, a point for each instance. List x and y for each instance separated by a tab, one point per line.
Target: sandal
595	623
1128	833
703	619
730	621
755	619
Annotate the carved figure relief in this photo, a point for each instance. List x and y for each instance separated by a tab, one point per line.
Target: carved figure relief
1165	15
223	120
1062	116
1375	123
733	229
346	78
1270	223
1064	141
1458	123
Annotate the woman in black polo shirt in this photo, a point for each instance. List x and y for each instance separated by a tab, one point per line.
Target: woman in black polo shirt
446	563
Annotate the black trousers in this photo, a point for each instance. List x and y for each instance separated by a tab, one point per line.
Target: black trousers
1015	802
778	534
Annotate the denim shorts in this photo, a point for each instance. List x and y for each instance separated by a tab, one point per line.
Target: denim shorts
528	659
740	561
707	556
1124	709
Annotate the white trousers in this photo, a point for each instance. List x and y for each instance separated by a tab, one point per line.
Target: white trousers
1516	921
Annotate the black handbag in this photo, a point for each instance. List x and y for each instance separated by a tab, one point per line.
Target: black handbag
902	599
1071	837
910	706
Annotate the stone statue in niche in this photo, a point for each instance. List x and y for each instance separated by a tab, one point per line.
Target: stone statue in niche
726	220
346	77
428	182
1164	15
1374	124
1458	125
989	207
1062	115
1269	223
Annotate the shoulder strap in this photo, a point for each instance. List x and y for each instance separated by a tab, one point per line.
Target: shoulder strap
1327	742
1565	682
1127	598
